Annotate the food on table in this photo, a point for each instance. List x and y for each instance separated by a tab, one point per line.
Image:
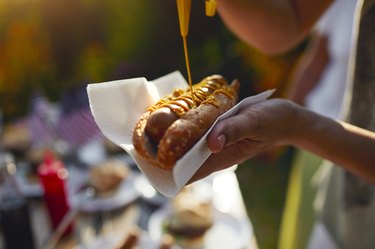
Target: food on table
16	139
190	219
166	242
107	176
170	128
131	240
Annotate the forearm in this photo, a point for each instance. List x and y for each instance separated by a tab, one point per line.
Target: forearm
348	146
301	84
271	26
309	69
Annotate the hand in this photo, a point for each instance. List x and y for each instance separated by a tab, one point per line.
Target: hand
252	130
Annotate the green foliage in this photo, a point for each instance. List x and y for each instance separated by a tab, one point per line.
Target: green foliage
55	45
129	28
25	62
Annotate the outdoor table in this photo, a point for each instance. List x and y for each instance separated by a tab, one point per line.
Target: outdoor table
89	225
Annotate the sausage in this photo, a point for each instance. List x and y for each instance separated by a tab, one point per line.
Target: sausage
169	128
158	122
162	118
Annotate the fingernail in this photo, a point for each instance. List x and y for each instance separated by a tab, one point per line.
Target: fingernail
222	141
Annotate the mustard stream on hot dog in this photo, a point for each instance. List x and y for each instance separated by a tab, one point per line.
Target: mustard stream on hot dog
170	127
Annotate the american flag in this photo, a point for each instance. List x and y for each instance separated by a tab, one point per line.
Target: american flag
76	124
40	125
73	122
78	127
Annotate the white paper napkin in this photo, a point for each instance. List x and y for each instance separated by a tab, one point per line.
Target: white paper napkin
117	106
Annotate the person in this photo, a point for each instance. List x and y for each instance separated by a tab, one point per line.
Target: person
348	202
318	82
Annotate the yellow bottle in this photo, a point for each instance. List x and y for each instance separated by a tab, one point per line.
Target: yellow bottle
210	7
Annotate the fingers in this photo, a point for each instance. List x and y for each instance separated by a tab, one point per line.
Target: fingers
252	130
232	130
270	120
216	143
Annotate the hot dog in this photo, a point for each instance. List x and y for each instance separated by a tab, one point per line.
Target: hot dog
170	128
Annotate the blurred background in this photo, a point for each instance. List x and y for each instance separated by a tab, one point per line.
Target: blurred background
51	49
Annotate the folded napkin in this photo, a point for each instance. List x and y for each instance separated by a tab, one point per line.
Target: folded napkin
117	106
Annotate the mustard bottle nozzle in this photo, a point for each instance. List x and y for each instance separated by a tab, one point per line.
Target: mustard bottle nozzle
211	7
183	7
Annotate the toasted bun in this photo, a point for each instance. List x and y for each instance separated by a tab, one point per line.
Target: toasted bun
170	128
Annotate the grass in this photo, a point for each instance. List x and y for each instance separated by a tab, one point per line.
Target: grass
263	184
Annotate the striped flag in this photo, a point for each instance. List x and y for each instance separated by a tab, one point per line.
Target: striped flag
70	121
76	124
78	127
40	125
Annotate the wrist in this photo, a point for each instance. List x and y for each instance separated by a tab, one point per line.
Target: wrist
301	125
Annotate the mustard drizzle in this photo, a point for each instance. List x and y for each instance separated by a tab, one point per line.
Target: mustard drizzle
181	101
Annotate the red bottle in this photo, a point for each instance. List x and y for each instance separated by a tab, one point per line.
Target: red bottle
53	176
